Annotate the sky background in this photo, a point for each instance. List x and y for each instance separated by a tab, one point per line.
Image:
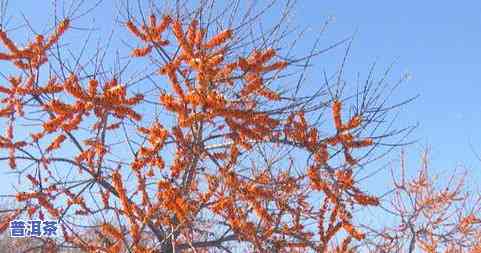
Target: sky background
439	45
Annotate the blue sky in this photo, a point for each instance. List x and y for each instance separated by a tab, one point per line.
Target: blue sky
439	45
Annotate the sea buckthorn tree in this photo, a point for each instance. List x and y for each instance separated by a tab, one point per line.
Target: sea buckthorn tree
201	135
429	212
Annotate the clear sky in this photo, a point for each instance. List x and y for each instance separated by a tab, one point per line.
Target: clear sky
438	43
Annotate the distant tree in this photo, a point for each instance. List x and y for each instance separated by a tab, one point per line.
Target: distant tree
216	144
432	213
